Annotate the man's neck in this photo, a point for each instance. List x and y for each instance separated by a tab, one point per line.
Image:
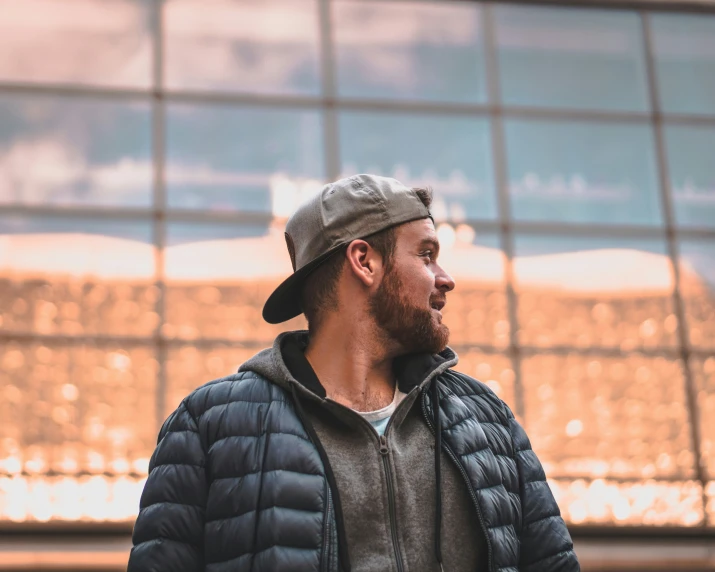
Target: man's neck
352	367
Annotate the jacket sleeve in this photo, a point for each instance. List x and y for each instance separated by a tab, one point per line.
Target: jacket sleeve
546	544
168	533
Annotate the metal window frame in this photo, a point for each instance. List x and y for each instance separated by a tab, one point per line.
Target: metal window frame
670	230
329	103
159	198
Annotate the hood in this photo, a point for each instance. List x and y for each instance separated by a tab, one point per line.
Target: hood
285	365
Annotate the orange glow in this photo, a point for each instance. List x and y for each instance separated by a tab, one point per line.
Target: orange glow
640	503
80	420
91	498
606	416
619	272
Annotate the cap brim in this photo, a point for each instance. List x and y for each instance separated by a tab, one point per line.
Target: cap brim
285	301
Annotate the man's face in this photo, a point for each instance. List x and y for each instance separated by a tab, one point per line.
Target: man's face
408	302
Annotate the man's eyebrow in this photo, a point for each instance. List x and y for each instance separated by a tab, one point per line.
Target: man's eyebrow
430	242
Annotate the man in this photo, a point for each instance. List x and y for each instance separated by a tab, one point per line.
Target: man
353	446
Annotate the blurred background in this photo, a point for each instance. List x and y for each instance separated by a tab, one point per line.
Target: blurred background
151	151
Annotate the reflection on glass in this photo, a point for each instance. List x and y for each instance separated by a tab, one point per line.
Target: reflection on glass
646	503
582	172
586	292
476	311
85	498
571	57
76	276
71	409
493	369
77	151
704	377
684	49
692	173
238	158
219	276
452	154
244	46
697	287
90	42
410	50
189	367
710	508
599	417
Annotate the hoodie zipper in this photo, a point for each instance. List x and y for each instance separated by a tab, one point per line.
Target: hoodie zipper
326	533
459	466
391	501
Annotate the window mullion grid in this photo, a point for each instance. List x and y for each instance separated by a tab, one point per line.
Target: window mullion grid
669	218
332	169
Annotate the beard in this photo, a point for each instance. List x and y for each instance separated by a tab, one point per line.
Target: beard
411	326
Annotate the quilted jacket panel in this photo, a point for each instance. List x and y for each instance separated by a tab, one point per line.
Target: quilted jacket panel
234	485
523	524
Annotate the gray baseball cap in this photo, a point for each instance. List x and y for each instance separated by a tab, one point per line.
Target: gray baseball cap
348	209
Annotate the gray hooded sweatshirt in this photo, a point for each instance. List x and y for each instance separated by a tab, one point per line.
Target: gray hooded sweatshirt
386	485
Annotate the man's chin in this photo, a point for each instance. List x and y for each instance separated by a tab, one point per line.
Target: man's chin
445	339
437	342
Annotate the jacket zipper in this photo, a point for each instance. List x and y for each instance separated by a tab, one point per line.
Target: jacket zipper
459	466
391	502
326	534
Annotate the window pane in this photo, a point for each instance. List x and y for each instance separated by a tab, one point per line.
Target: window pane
77	408
586	292
692	174
598	416
76	277
410	50
71	409
647	503
684	47
74	152
697	286
219	276
571	57
704	377
452	154
244	46
493	369
239	158
91	42
189	367
588	172
476	311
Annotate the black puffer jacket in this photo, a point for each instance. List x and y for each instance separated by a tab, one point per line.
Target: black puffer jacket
236	484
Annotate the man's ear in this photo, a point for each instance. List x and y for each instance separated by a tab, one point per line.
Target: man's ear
363	262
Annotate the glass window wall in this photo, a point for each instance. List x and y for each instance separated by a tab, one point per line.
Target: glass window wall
151	152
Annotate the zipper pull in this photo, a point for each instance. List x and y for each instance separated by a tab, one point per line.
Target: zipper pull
383	445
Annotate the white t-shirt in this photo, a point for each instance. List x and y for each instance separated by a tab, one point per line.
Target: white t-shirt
380	418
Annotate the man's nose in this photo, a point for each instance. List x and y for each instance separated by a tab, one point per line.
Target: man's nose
444	281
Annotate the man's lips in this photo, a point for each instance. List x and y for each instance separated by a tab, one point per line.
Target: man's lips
438	304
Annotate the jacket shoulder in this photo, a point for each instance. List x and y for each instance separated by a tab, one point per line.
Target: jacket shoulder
243	386
478	396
